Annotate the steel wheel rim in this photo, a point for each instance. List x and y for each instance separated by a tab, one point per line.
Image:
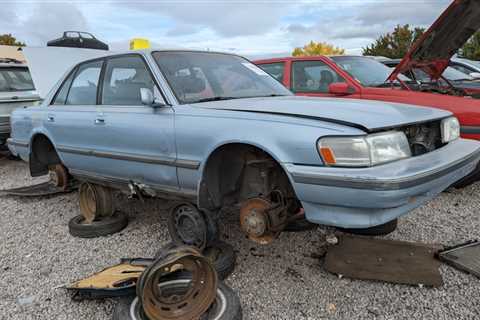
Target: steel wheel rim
135	307
88	202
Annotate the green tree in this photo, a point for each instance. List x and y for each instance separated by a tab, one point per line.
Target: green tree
9	40
396	44
471	49
317	49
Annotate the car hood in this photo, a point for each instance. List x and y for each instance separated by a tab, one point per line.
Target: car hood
433	51
366	115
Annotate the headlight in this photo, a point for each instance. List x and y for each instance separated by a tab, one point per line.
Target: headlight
450	129
364	151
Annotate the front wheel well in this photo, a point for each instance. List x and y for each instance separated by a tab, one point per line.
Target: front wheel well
42	155
237	172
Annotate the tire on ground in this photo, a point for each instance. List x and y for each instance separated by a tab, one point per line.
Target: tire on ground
99	228
227	302
379	230
223	257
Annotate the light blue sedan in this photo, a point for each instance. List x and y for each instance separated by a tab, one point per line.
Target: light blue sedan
215	131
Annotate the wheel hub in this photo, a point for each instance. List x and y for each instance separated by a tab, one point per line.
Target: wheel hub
59	176
255	222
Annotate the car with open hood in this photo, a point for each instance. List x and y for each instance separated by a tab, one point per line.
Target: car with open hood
214	130
366	78
16	90
451	81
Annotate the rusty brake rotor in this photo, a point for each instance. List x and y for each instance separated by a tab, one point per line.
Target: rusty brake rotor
187	305
255	222
59	176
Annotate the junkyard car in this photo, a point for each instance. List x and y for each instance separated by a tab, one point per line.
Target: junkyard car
470	67
366	78
215	130
16	90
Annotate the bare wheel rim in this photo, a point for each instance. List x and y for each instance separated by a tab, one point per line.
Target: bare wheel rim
88	202
218	308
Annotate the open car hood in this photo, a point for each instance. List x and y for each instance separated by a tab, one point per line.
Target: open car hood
433	51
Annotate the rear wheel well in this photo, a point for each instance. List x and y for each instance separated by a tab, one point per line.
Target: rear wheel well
237	172
42	155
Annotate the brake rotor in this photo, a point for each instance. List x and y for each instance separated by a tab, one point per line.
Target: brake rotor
189	304
255	222
88	202
187	226
58	176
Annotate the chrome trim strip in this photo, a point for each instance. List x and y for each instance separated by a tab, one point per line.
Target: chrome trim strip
181	163
17	143
470	129
384	185
160	189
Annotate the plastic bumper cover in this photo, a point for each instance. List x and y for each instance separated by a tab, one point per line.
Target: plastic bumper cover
366	197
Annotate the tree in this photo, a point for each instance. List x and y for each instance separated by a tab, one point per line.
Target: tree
317	49
9	40
396	44
471	49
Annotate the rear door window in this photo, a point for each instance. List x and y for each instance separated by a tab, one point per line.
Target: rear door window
83	90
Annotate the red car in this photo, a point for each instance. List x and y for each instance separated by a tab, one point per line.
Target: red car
365	78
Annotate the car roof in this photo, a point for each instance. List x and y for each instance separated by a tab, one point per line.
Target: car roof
319	57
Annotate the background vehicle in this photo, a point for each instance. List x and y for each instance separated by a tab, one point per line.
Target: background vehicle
77	39
16	90
467	66
360	77
451	77
214	130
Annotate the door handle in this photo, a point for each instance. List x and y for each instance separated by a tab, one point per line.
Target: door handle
99	121
50	118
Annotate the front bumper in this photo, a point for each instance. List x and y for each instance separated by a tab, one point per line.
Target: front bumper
367	197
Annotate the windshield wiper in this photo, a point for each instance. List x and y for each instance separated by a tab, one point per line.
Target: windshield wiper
217	98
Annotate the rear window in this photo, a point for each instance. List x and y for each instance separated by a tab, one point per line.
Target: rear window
15	79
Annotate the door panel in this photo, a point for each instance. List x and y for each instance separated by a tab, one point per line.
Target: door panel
138	141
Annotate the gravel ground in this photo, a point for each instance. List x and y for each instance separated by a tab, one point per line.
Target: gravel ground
280	281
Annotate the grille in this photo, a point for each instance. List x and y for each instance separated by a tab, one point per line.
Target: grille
424	137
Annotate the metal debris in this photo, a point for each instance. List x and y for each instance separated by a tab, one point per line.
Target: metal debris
465	257
384	260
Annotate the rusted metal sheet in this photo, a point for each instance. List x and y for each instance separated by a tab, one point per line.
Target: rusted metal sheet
465	257
384	260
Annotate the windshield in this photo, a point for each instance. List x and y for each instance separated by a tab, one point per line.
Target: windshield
367	71
201	76
15	79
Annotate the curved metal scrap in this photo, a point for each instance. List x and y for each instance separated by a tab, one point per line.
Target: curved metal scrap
188	304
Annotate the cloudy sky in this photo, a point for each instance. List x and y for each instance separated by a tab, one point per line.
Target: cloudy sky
249	27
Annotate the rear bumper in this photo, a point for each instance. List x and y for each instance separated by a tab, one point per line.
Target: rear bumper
366	197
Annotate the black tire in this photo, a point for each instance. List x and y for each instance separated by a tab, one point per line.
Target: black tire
225	297
223	257
99	228
300	226
468	180
380	230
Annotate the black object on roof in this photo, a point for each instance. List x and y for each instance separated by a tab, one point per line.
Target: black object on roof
77	39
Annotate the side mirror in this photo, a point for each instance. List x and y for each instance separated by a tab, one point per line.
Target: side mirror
475	75
340	88
148	98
